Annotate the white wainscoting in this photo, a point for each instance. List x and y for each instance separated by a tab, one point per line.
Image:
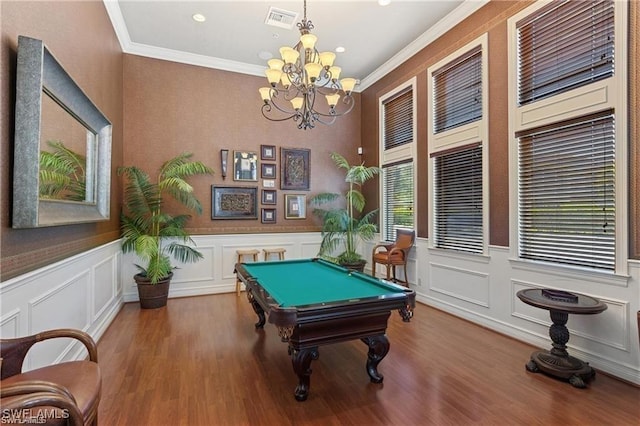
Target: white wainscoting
483	289
82	292
214	274
86	292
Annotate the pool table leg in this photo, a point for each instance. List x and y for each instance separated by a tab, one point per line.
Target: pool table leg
301	360
257	309
378	348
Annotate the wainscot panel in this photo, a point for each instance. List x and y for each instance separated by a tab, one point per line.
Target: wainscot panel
81	292
608	341
214	274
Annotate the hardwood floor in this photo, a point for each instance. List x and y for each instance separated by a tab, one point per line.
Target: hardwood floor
199	361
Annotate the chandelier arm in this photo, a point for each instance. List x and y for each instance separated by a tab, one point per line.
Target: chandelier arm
267	108
305	74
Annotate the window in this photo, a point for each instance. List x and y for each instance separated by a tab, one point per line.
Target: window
568	134
567	193
457	92
458	200
397	184
457	146
397	119
564	46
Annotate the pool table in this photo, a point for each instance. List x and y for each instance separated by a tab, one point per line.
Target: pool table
313	302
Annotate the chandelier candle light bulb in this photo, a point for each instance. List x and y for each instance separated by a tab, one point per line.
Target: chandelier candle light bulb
301	74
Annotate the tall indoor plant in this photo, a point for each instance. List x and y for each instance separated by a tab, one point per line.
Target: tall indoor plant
343	224
154	234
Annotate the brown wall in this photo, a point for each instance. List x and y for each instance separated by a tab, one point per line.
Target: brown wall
172	108
491	19
80	36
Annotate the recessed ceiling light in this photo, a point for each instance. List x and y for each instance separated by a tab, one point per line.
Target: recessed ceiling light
340	49
384	2
199	17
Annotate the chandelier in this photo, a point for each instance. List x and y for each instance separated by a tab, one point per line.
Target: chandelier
302	77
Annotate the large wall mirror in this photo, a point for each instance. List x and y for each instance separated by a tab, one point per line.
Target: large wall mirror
62	150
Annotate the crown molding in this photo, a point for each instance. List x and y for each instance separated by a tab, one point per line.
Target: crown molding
117	20
441	27
128	46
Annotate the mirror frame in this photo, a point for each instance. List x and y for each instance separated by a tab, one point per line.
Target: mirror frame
38	72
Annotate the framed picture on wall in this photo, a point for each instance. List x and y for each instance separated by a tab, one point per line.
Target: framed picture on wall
295	206
295	168
234	202
268	171
245	166
267	152
268	215
269	196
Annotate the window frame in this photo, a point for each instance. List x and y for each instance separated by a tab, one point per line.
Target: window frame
593	98
400	153
467	135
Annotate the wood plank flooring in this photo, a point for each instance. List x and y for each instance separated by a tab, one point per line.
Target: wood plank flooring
199	361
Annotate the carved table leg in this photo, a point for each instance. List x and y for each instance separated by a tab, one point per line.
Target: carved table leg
378	348
406	313
257	309
557	361
301	360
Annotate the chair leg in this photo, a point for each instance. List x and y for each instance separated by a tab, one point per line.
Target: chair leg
388	271
406	278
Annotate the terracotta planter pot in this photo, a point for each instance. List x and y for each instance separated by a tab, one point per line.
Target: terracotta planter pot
152	296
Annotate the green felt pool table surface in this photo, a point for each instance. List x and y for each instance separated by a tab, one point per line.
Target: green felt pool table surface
303	282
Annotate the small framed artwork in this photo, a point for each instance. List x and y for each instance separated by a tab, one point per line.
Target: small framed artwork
295	168
267	152
269	183
268	171
245	166
269	196
234	202
268	215
295	206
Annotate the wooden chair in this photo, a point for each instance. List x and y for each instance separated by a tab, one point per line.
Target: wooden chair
65	393
394	254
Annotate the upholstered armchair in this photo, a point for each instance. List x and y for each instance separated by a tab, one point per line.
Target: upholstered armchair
394	254
64	393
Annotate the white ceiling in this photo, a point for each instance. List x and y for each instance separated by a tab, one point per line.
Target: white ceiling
377	38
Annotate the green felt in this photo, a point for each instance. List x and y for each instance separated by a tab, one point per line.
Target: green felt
305	282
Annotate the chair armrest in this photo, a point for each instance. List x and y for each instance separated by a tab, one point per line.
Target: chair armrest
386	246
13	351
33	386
14	408
80	335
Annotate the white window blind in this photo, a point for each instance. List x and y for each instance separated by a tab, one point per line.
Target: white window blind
564	45
398	120
397	185
567	193
458	199
457	92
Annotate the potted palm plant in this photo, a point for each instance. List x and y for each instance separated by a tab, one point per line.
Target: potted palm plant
343	223
149	230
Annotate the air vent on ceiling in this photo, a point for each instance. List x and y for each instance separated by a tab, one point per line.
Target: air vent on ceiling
281	18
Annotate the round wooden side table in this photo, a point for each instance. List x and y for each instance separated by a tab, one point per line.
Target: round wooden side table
557	362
